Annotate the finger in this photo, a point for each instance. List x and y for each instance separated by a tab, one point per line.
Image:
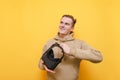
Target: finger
42	61
48	69
62	44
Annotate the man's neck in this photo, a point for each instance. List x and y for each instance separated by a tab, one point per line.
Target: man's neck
62	35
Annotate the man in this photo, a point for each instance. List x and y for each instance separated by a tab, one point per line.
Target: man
75	51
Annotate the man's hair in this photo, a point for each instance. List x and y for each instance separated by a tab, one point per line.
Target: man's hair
71	17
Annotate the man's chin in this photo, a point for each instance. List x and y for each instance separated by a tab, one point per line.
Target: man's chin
62	33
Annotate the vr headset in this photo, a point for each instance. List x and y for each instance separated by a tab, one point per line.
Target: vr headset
48	57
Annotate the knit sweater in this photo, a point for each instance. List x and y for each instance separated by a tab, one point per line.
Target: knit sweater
68	69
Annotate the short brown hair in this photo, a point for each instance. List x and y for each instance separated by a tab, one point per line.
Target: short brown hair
71	17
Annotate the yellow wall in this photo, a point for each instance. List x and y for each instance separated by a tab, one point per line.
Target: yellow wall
25	26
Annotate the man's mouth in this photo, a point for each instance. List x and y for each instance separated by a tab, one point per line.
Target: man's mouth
62	29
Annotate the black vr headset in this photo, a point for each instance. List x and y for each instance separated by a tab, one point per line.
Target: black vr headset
48	57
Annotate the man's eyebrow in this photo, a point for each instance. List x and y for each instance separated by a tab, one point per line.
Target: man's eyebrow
64	22
67	23
61	21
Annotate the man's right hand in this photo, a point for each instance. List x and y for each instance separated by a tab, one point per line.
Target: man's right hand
46	67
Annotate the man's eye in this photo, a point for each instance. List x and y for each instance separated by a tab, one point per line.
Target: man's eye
61	22
66	24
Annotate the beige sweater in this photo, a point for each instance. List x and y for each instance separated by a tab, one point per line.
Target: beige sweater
68	69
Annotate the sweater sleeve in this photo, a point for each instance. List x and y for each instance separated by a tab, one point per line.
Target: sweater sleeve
40	64
87	53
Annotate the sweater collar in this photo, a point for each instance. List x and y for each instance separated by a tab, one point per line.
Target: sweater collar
66	38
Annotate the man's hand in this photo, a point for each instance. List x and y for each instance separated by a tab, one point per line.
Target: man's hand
46	67
65	47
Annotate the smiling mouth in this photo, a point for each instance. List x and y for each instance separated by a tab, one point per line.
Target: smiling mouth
62	29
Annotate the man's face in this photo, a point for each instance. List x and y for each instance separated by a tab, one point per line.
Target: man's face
65	26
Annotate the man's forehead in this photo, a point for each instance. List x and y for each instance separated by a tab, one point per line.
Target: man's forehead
66	19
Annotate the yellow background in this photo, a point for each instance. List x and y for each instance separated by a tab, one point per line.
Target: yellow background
26	25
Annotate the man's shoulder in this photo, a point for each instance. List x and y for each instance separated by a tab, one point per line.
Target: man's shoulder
50	41
79	40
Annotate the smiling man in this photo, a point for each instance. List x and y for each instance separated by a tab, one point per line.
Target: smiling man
75	51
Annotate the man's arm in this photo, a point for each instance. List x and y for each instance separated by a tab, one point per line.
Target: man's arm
87	53
84	53
90	54
41	64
